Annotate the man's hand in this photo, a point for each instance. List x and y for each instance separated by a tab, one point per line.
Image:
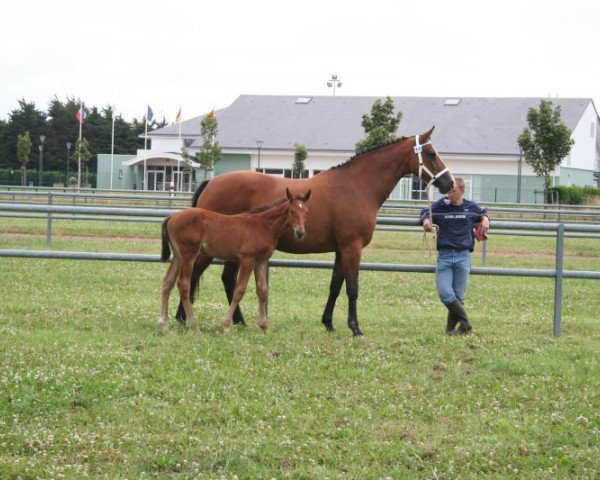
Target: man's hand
427	225
485	224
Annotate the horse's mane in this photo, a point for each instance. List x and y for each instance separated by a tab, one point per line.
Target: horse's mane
268	206
351	160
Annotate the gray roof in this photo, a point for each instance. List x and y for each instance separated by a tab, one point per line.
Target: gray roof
328	123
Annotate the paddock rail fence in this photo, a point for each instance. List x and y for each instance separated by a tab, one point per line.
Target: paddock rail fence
139	214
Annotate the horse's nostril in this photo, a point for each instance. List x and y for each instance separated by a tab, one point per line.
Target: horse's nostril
299	234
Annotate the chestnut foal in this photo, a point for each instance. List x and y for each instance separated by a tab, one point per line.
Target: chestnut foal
248	238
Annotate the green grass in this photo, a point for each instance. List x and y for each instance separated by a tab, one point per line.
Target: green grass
91	388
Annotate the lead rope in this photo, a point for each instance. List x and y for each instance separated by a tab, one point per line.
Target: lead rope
427	247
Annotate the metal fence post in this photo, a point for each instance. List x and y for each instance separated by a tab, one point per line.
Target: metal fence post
49	228
558	284
483	253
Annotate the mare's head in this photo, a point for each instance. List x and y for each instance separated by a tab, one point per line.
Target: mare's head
431	168
297	213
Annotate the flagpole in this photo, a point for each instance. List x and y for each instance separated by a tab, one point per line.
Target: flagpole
79	153
179	157
145	147
112	149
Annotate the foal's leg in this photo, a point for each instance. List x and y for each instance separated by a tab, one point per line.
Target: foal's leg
246	268
262	292
183	284
167	286
201	264
337	280
229	279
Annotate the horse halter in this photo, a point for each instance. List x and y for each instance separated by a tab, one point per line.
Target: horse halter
422	167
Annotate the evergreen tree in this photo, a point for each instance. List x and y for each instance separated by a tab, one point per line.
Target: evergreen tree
4	154
61	127
546	142
26	118
380	126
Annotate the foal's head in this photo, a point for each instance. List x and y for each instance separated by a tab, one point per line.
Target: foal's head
297	213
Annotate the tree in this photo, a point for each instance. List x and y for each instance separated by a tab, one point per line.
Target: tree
210	152
23	150
546	142
82	154
187	160
300	155
380	126
26	118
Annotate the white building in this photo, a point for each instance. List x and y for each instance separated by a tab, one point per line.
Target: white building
477	137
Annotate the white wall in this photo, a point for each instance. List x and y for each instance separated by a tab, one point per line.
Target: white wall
496	165
166	145
583	153
285	160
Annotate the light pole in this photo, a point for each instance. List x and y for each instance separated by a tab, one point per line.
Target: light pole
334	82
520	162
41	166
67	174
259	145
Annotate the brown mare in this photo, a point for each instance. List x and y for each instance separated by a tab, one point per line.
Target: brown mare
343	217
248	239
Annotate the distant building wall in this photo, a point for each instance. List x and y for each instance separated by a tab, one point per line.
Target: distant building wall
122	177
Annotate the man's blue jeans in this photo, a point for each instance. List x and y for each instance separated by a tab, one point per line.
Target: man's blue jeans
452	274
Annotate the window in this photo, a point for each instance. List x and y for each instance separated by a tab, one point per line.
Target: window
452	102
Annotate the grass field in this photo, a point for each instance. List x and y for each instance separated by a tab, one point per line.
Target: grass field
91	388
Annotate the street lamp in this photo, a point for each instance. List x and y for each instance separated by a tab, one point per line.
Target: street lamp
519	177
334	82
259	145
41	166
67	175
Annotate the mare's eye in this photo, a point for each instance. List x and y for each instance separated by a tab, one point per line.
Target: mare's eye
431	155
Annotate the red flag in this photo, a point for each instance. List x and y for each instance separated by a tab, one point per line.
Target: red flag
81	115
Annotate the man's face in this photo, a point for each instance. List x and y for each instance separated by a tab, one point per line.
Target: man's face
455	194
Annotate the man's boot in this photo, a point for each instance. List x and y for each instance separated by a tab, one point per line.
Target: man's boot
452	321
457	309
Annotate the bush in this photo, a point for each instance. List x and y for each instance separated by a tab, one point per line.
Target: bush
576	195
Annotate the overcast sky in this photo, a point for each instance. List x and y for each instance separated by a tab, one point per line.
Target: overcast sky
201	54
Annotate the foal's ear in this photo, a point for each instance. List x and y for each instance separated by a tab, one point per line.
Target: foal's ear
307	195
288	194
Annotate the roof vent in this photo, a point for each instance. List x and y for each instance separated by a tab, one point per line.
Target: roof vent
303	100
451	102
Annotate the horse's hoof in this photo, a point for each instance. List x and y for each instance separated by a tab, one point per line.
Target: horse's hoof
240	322
458	332
358	333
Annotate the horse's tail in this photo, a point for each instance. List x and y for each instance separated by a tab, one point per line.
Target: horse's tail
166	242
198	192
